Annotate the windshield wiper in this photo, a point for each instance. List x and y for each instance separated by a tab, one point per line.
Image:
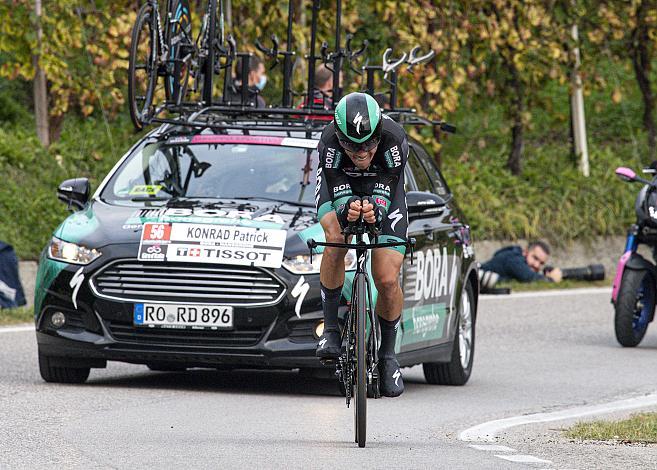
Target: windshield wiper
264	198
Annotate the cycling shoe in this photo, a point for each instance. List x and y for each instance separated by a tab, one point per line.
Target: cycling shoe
329	346
391	382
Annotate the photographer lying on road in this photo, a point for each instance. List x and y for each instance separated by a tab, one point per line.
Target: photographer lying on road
514	263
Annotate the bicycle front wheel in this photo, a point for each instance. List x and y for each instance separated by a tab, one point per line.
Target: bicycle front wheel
360	379
142	67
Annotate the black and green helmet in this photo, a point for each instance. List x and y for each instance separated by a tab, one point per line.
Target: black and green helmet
358	122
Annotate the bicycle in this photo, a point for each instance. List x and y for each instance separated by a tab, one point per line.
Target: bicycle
172	54
356	368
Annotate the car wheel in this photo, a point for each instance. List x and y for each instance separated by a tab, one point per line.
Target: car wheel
60	374
457	370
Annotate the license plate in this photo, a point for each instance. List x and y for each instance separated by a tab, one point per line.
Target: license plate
183	316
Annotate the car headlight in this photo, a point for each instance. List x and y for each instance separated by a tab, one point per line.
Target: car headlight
300	264
71	252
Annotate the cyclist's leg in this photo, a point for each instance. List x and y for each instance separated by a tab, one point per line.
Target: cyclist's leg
387	262
386	266
331	274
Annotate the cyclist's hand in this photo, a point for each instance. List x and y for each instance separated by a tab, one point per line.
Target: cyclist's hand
368	212
354	211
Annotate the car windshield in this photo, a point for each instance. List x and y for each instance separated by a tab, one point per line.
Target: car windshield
160	171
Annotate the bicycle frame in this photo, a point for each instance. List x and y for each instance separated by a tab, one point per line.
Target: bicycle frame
343	369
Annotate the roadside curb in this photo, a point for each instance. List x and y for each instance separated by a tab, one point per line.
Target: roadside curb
17	328
487	432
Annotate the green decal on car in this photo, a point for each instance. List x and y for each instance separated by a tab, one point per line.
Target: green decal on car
48	271
422	323
77	226
145	189
212	217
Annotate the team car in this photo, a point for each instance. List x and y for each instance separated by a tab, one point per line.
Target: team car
192	253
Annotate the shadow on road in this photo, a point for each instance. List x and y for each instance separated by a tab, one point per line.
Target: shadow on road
242	381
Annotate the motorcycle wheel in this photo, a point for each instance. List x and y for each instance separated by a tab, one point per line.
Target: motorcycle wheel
635	306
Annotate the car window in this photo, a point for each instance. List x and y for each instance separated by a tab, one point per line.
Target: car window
420	175
162	171
439	183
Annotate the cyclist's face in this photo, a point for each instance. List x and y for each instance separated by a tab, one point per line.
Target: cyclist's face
362	159
536	258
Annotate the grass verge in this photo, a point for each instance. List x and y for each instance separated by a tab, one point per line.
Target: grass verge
13	316
639	428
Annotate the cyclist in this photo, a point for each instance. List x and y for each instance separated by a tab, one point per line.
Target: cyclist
362	154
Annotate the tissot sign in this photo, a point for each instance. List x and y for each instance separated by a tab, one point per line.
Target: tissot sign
202	243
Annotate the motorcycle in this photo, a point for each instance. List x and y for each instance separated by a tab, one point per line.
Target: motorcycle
634	292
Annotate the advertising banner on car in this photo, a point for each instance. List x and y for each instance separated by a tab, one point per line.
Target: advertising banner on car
203	243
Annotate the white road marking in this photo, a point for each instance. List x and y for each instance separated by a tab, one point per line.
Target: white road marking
16	329
550	293
523	459
492	448
487	432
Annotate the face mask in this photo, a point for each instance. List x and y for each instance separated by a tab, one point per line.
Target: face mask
262	82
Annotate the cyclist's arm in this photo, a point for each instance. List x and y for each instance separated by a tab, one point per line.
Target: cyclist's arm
386	183
337	182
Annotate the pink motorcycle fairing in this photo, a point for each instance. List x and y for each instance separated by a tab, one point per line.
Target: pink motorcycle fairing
625	172
619	273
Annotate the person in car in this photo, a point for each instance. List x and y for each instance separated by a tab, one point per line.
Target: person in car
322	93
362	154
524	265
257	80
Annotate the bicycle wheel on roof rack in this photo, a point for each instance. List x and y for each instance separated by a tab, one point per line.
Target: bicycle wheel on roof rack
179	42
207	44
142	68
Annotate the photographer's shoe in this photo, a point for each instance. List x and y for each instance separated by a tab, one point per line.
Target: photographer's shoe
329	345
390	378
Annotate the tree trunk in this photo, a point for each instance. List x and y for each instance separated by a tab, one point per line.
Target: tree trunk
514	163
641	62
40	87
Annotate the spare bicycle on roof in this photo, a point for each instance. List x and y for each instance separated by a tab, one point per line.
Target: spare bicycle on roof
173	72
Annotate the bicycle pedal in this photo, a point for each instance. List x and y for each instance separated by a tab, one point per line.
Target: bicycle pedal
327	361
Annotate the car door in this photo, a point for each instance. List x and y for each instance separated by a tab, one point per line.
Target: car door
429	283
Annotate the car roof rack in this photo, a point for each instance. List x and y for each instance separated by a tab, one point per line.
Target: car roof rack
238	111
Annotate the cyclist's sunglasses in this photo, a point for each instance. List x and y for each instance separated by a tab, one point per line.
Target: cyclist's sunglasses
356	147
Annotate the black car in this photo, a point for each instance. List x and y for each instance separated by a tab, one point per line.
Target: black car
192	253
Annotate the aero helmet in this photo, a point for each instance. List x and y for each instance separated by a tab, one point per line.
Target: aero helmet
358	122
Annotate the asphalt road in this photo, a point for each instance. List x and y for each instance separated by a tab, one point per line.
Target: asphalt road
533	354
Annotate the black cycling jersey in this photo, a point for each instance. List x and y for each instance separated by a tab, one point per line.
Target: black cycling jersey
338	178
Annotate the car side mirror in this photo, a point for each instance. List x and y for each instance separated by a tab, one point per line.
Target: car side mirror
423	204
74	192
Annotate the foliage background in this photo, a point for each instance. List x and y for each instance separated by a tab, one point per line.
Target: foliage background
502	69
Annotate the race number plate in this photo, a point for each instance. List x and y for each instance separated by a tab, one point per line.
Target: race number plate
183	316
206	243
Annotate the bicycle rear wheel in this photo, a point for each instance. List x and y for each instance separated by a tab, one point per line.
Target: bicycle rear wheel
180	50
360	379
142	67
208	44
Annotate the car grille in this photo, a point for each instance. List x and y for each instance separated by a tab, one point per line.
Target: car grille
188	283
180	337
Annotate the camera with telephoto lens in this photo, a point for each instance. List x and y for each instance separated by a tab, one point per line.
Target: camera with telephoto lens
592	272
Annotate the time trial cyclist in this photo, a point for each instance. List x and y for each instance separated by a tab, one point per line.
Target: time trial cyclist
362	154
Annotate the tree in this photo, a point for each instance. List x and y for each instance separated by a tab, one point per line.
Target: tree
519	45
628	31
84	57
